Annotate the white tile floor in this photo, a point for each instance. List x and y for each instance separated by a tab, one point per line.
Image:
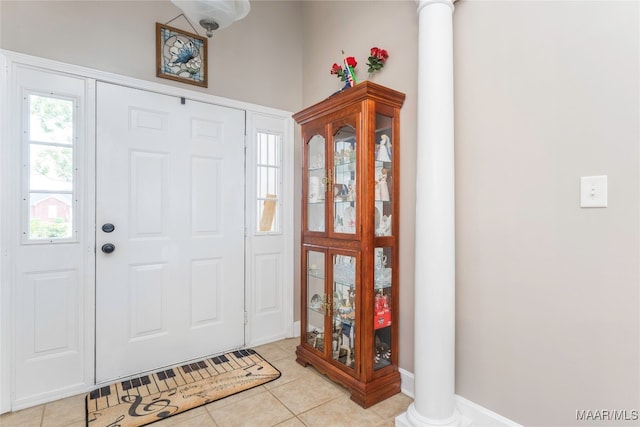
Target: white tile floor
300	397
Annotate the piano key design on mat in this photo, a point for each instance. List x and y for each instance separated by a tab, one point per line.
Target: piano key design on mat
148	398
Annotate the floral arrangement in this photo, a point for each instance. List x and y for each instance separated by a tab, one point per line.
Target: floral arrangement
377	58
346	72
342	73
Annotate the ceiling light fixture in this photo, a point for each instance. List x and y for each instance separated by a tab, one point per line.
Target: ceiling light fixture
213	14
209	25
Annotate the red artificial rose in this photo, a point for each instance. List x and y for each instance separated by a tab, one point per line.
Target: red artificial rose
380	54
336	69
376	60
351	62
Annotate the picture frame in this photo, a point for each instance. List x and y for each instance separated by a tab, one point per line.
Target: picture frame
181	56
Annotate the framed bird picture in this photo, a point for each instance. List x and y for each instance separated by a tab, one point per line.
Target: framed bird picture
181	56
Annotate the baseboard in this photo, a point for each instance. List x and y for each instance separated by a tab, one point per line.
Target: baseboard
50	396
295	329
266	340
482	416
406	382
472	413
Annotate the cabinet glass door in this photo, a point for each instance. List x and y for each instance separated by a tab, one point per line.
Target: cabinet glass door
316	300
317	180
344	180
383	283
344	309
383	191
383	263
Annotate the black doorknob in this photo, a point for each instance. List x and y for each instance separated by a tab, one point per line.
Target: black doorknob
107	248
108	228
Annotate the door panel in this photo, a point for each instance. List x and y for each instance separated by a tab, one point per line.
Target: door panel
170	178
269	254
45	205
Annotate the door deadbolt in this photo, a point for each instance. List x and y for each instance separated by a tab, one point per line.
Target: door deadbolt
107	248
108	228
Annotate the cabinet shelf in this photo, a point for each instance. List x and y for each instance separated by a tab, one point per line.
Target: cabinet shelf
350	240
349	166
315	274
317	310
344	283
381	286
382	364
344	318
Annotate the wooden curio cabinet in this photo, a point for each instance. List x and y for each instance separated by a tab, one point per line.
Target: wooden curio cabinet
350	201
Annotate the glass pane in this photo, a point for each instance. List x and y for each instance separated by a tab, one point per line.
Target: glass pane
382	264
383	189
273	150
268	219
50	216
262	148
272	174
51	168
344	180
262	181
268	182
50	119
344	309
316	300
317	184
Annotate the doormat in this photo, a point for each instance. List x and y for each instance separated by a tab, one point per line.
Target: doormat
142	400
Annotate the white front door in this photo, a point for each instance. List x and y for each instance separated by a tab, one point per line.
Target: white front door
170	181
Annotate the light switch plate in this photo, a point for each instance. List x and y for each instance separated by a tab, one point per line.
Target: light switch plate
593	191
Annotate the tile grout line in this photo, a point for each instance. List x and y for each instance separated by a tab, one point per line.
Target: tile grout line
297	416
282	403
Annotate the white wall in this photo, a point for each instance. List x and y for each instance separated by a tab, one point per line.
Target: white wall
547	292
257	59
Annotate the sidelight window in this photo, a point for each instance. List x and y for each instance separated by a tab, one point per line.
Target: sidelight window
49	168
269	185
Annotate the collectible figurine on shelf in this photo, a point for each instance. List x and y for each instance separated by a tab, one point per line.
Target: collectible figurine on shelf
384	149
351	193
382	302
340	191
315	338
382	351
346	154
382	188
384	229
349	219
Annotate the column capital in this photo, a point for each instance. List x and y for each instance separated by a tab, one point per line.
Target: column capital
424	3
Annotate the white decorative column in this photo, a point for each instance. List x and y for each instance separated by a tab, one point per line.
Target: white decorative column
434	361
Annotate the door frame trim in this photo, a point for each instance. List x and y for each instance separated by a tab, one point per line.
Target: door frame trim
8	61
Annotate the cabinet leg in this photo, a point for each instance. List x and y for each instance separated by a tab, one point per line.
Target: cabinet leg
301	360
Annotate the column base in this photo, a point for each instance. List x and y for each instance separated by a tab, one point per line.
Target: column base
411	418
